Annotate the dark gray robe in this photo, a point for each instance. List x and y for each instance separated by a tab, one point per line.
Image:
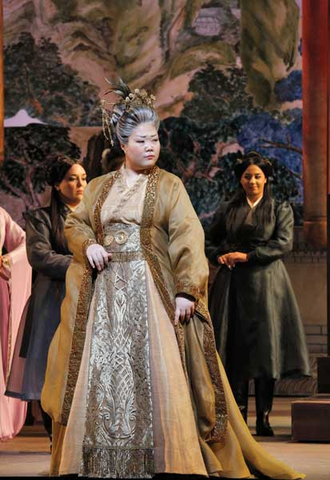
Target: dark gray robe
48	291
258	328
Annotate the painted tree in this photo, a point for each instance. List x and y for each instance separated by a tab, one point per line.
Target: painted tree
218	95
36	80
28	151
220	121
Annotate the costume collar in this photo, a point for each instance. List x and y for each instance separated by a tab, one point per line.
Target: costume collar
252	205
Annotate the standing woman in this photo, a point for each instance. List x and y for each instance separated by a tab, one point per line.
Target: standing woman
258	329
133	380
50	258
15	288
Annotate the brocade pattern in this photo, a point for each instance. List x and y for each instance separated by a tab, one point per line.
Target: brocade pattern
218	433
118	442
84	298
99	204
78	341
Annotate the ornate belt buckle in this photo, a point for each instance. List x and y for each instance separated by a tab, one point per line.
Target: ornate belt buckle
108	239
121	237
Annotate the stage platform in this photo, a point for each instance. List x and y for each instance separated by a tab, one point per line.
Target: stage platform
28	454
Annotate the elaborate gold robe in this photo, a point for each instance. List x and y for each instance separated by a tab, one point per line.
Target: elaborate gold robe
172	242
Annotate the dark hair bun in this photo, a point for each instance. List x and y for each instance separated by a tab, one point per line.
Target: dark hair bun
253	158
57	169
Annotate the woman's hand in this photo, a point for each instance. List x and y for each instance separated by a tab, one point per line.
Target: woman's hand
230	259
97	256
184	309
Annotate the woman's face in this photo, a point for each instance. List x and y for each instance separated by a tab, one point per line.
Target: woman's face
253	182
143	147
72	186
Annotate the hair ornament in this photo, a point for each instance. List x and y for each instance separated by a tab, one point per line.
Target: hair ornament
127	100
107	125
239	161
138	98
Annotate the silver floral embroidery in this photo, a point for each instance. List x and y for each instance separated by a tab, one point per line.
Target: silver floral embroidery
119	437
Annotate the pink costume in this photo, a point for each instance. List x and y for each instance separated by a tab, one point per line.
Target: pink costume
15	288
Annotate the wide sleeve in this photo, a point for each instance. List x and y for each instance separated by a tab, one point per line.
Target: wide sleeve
215	240
41	254
186	244
14	244
78	228
282	239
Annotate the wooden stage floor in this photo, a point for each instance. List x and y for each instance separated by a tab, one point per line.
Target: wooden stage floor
27	455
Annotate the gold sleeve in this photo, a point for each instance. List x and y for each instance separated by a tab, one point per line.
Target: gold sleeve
186	244
78	228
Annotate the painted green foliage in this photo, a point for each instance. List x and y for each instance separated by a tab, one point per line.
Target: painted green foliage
227	108
36	80
269	45
197	145
218	95
28	151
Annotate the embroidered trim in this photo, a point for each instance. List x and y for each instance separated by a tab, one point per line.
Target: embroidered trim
119	420
189	289
98	207
218	433
85	294
219	430
118	463
84	299
85	245
146	244
126	256
152	259
203	310
78	341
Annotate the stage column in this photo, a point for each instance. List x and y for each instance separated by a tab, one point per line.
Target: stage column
311	416
315	120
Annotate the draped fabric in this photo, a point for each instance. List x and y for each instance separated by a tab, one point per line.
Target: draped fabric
122	368
15	288
97	391
119	437
258	328
42	314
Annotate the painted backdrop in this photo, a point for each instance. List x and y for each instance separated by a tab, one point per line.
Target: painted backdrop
226	74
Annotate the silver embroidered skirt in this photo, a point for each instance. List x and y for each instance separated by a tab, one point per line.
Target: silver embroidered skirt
118	440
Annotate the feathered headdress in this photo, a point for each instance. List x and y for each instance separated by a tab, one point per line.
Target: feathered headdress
127	99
